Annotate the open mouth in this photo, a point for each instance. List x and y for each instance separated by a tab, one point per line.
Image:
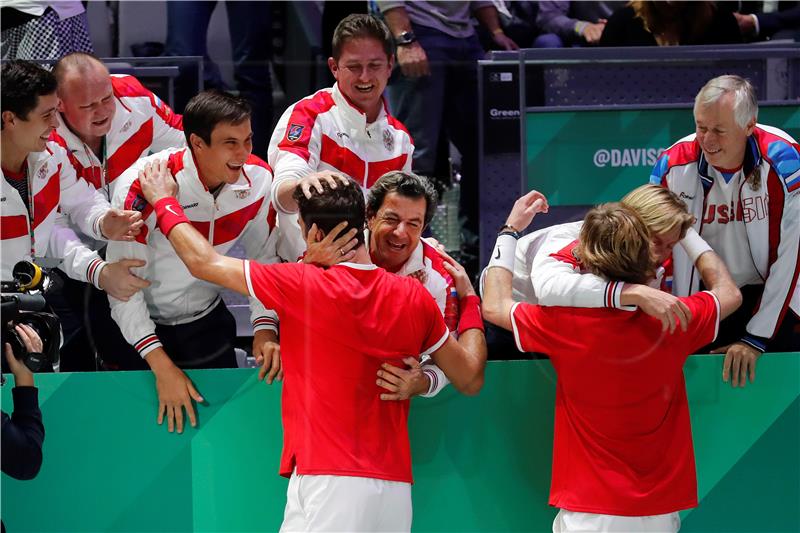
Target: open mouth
395	247
102	122
712	152
365	88
236	167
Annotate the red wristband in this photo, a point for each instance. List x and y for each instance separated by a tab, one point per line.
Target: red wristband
169	214
469	310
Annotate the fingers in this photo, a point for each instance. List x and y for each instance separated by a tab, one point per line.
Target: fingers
726	366
338	233
179	415
274	360
684	315
387	385
391	397
752	371
412	362
25	333
735	367
138	283
311	235
196	396
391	374
162	408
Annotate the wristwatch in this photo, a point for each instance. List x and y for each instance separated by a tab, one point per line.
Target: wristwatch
405	38
507	229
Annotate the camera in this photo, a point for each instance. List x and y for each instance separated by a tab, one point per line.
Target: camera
23	302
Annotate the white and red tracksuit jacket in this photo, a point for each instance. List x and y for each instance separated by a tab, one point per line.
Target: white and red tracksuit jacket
142	125
325	131
771	214
241	212
56	193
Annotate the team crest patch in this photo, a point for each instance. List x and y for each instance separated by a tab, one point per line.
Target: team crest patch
126	127
139	203
388	140
294	132
42	172
241	195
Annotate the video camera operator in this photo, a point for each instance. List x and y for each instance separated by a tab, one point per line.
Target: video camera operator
23	431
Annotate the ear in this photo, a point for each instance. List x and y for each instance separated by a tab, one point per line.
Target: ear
8	117
370	221
750	127
196	143
60	105
391	62
334	68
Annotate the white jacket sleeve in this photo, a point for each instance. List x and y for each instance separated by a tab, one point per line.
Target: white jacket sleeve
780	288
557	283
297	161
84	205
78	260
259	241
133	317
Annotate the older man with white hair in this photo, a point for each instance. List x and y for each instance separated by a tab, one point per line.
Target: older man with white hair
741	180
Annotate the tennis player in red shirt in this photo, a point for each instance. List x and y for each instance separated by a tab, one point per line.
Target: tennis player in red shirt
346	452
622	446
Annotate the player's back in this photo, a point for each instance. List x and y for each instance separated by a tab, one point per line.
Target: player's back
337	327
622	440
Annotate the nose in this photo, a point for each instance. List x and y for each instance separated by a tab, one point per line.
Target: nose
53	122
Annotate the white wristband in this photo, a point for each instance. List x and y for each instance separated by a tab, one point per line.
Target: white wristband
503	253
694	245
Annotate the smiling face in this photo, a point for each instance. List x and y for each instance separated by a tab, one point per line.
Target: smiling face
87	102
30	134
362	72
722	140
395	230
221	161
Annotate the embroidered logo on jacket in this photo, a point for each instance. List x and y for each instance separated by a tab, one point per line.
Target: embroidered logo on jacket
42	172
241	195
139	203
294	132
388	140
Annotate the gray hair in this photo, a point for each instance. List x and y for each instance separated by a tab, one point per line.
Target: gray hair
745	103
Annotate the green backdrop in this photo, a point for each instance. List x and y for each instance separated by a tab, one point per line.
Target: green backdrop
481	464
589	157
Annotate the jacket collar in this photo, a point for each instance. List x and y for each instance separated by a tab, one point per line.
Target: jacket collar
354	116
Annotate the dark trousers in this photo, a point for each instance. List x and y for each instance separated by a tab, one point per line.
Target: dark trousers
446	102
733	328
250	27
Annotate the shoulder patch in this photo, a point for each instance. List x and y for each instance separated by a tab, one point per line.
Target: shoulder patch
786	161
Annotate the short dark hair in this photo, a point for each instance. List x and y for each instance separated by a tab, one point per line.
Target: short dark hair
358	26
208	108
332	206
23	83
405	184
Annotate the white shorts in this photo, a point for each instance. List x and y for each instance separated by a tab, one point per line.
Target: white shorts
345	503
571	521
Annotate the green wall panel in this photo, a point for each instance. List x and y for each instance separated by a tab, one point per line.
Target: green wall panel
480	464
589	157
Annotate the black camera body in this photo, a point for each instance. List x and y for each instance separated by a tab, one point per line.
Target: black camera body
23	302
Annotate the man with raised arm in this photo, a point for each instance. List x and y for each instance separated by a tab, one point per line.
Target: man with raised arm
622	450
338	325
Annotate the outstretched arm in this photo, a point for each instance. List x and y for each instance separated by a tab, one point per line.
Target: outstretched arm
195	251
497	294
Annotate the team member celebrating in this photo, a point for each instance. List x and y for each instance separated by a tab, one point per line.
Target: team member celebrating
346	128
337	326
181	321
741	181
39	181
622	450
107	123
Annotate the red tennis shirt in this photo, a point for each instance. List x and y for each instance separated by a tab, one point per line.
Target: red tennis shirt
337	326
622	443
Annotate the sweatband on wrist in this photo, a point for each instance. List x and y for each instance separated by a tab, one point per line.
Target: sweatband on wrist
580	26
503	253
694	245
169	214
469	311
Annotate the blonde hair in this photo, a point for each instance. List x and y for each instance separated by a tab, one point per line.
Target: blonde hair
615	243
660	209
